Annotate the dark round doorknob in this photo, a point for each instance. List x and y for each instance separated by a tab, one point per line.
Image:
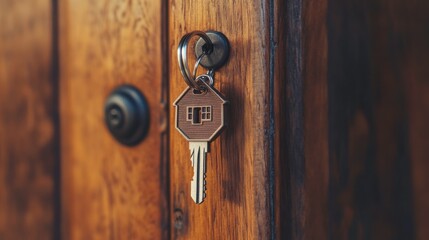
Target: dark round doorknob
126	114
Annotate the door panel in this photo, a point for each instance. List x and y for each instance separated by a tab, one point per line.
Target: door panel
110	191
301	120
238	203
356	142
327	139
28	122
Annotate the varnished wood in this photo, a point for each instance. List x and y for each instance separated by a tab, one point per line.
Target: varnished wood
282	177
371	188
356	109
28	122
238	202
327	137
111	191
412	35
301	146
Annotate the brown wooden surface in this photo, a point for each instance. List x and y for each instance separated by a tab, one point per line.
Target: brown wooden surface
332	93
28	122
301	120
238	202
302	155
110	191
356	114
412	35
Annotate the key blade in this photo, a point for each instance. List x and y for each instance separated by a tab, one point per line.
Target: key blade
198	158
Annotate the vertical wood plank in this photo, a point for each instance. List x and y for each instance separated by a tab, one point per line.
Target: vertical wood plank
370	185
315	121
282	179
28	122
355	130
238	181
413	37
302	156
111	191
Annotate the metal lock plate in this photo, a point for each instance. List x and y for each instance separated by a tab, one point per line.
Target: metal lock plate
126	114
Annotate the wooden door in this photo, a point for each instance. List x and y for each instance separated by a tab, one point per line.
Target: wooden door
29	163
327	136
111	191
239	203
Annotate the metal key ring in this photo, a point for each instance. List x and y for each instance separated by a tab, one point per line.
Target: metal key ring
182	56
197	63
206	76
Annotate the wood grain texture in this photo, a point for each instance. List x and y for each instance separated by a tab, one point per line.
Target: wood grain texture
412	36
238	204
370	183
28	122
111	191
302	156
355	107
282	118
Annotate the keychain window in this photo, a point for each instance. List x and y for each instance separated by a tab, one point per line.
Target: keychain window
199	114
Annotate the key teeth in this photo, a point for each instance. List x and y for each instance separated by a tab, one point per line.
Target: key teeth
198	160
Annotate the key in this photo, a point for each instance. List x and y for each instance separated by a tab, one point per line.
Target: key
198	159
200	118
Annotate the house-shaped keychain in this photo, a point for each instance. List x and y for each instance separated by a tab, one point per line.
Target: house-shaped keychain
200	115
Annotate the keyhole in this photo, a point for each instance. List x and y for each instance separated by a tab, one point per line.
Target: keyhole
116	117
196	115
